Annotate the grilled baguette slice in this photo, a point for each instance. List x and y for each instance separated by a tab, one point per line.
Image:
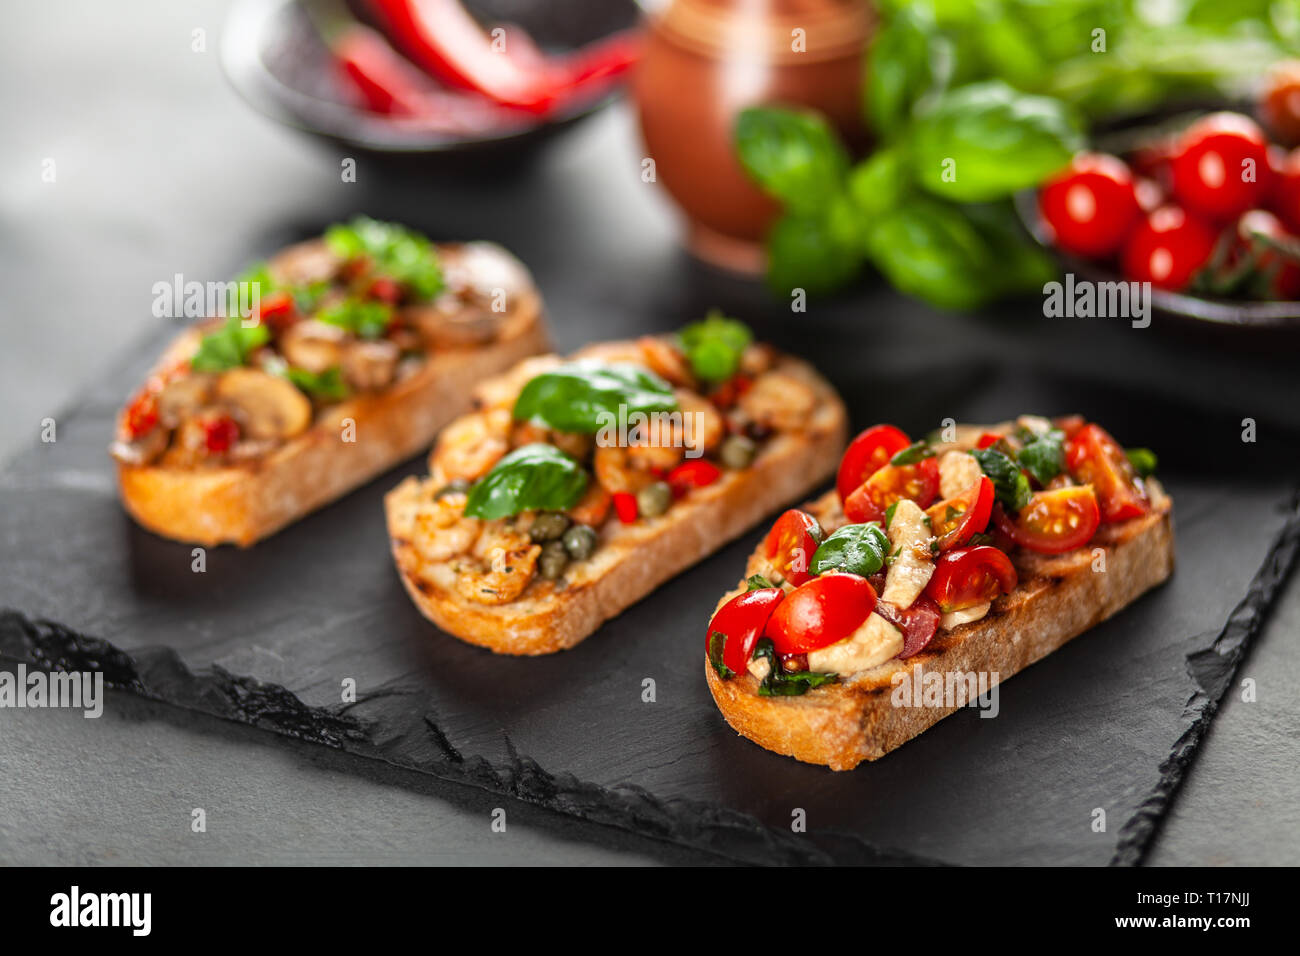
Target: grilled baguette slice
1058	598
632	560
249	501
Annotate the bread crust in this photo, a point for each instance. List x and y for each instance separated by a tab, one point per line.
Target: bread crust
1058	598
631	560
241	504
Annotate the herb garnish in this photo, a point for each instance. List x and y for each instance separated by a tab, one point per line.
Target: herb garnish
779	683
536	477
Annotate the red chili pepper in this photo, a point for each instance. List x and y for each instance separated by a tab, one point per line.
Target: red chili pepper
278	310
219	434
625	506
692	474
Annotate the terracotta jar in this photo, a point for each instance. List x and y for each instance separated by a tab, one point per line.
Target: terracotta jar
704	61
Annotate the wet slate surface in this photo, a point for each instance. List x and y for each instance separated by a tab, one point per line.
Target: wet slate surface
266	636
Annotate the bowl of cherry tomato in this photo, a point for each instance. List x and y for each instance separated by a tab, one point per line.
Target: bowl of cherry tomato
430	77
1204	205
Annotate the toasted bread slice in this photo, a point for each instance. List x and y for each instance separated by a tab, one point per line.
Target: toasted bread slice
630	560
348	443
1058	598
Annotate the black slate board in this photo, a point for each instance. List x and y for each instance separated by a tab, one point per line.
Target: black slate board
267	635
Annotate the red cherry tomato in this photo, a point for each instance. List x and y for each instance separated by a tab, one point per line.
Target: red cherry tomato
791	543
219	434
1220	166
918	623
820	612
1280	104
919	482
1094	458
1054	521
695	473
955	521
1168	248
1262	236
969	576
1285	200
625	506
866	455
742	620
1091	206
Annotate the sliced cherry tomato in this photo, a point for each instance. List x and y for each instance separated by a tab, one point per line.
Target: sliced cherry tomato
1094	458
866	455
987	439
966	577
1168	248
791	544
141	415
1091	206
954	521
625	506
919	482
1220	166
742	620
695	473
820	612
918	623
219	434
1054	521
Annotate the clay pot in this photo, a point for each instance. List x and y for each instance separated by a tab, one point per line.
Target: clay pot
704	61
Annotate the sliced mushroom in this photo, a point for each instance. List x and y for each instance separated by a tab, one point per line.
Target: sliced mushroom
266	405
182	397
304	263
141	451
450	322
313	346
370	365
483	268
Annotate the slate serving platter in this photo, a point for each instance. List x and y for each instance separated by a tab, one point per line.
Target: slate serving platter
267	636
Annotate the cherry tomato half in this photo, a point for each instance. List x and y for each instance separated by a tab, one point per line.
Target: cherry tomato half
791	544
954	521
866	455
1220	166
966	577
919	482
1094	458
1168	248
1054	521
919	623
1091	206
742	620
820	612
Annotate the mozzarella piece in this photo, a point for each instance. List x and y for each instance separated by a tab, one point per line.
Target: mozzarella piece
965	616
874	642
909	541
958	470
759	667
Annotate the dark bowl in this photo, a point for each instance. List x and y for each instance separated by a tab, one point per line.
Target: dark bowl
275	59
1209	314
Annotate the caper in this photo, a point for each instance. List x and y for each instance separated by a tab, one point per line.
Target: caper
580	541
548	526
457	486
738	452
553	560
654	499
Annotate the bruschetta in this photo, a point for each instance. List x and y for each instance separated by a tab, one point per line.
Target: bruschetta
365	342
934	570
579	485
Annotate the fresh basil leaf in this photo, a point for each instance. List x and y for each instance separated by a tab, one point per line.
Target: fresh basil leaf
778	683
364	318
889	513
857	548
717	644
229	346
913	453
817	252
930	249
1010	486
986	141
900	69
327	385
714	346
394	251
880	183
1144	461
536	477
756	582
793	155
585	396
1044	456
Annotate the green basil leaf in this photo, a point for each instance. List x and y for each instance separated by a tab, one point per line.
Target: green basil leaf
1010	486
714	346
986	141
778	683
1144	461
816	252
587	395
717	644
793	155
889	513
756	582
880	183
900	69
857	548
1044	456
537	477
229	346
396	252
913	453
327	385
364	318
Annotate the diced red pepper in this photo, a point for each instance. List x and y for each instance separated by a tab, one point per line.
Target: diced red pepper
219	434
625	506
141	415
987	439
386	290
692	474
278	310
